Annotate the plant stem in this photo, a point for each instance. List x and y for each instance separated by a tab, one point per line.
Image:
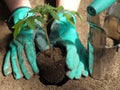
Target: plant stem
51	49
47	39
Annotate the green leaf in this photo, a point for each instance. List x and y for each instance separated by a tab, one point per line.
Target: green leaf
30	22
54	15
42	13
80	16
76	13
40	19
17	27
60	8
69	18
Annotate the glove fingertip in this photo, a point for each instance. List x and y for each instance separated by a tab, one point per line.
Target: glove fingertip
35	67
28	77
17	76
71	74
78	75
36	70
6	66
85	73
6	72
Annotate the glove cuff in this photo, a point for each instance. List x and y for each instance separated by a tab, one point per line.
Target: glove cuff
21	13
17	14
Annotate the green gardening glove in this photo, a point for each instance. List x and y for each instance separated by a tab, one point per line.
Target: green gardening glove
21	57
63	32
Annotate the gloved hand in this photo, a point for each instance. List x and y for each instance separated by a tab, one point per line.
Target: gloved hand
21	57
65	33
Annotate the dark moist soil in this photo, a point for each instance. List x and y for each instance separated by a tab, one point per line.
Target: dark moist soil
52	70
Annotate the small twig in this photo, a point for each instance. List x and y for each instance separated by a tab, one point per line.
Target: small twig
47	38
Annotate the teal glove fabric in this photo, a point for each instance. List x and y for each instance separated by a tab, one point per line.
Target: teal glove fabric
64	32
21	57
40	39
22	43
